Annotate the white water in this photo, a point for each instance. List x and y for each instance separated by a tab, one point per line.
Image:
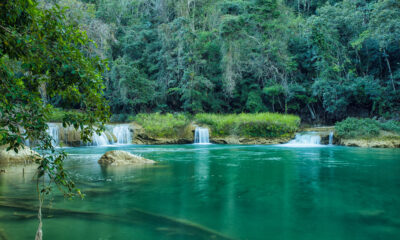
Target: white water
201	136
331	138
122	133
100	140
54	132
310	139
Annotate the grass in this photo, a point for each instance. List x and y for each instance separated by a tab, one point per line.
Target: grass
57	114
162	125
267	125
122	118
365	128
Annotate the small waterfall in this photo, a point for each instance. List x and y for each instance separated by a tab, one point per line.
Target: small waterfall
309	139
100	140
201	136
114	134
122	133
54	132
331	138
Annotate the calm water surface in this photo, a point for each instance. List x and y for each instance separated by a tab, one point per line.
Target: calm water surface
217	192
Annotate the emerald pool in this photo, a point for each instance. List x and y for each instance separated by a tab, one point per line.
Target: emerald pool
216	192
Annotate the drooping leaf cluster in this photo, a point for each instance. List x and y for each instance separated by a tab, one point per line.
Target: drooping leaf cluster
42	58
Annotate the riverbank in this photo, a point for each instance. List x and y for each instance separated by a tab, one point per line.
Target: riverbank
367	132
259	128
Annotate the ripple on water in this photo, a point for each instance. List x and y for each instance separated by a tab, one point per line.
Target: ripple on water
247	192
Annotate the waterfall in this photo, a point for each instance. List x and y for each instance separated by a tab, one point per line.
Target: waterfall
331	138
309	139
201	136
122	133
54	132
100	140
114	134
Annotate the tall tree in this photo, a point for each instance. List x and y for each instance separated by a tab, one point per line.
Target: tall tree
40	57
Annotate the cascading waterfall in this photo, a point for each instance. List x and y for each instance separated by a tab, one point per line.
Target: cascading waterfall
100	140
122	133
54	132
201	136
331	138
309	139
114	134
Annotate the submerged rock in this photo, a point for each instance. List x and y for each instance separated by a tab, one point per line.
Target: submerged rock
24	155
117	157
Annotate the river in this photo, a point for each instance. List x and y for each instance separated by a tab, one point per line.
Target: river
217	192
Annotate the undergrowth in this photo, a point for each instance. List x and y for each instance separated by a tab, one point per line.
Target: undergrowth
365	128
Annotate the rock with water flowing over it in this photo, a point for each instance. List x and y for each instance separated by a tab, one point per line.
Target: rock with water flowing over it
24	155
117	157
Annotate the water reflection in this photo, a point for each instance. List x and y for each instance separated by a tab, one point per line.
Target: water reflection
201	169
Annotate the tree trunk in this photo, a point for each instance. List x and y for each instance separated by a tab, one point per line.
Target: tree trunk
390	69
273	103
311	111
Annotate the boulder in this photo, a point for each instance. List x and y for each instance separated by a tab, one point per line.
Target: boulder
24	155
117	157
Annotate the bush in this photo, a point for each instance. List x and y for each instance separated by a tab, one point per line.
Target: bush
250	125
391	125
162	125
121	118
356	128
57	114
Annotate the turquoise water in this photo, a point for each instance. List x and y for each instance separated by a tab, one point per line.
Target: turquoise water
217	192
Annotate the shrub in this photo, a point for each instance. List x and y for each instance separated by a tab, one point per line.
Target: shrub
391	125
57	114
162	125
355	128
121	118
250	125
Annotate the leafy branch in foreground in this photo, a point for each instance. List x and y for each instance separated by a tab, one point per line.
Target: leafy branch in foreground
41	57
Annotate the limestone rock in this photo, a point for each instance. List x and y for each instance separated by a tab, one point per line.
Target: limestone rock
24	155
118	157
371	143
249	140
324	133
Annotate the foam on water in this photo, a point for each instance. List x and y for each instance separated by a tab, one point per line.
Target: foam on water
201	136
309	139
114	134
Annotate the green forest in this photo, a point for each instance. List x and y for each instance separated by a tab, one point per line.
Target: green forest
323	59
179	119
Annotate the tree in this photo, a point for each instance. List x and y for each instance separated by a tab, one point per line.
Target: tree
220	55
41	57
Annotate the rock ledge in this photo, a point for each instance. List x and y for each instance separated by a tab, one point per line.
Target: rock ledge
24	155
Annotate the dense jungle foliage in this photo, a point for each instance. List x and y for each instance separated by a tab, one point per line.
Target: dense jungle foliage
321	59
367	128
43	56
